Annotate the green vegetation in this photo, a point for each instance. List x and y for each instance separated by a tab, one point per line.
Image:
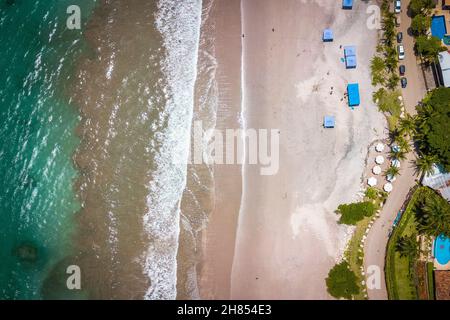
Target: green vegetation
420	25
354	254
427	214
408	246
399	273
430	280
388	101
378	67
355	212
417	7
342	282
384	70
392	171
433	129
433	215
429	47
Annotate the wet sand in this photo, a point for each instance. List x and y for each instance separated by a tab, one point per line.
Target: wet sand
287	237
220	54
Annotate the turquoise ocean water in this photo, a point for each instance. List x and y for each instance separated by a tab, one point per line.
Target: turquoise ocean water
37	141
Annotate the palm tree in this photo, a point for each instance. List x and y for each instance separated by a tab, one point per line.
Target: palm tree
393	81
404	144
407	125
399	155
392	171
425	164
408	246
434	217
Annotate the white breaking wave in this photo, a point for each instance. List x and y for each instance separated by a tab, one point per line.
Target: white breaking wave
179	24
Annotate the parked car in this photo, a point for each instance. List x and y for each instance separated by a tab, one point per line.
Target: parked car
401	52
398	6
404	82
400	37
402	69
398	21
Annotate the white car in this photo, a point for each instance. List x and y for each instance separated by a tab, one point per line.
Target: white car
398	6
401	52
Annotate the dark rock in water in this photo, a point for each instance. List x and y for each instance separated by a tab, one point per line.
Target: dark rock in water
26	252
10	2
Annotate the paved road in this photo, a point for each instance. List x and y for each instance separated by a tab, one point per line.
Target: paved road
375	244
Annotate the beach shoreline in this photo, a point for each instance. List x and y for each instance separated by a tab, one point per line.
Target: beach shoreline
218	239
288	237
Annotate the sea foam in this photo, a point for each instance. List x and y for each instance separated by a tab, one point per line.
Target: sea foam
179	24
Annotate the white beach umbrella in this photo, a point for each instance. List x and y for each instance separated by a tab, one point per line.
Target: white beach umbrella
376	170
379	147
396	163
388	187
379	159
372	181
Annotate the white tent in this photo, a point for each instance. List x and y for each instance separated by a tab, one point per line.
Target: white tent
388	187
376	170
379	147
372	181
379	159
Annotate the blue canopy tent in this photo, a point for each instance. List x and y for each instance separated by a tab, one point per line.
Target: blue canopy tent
350	62
350	56
347	4
353	94
328	121
349	51
327	35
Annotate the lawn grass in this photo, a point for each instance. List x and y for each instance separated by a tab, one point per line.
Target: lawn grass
355	255
399	270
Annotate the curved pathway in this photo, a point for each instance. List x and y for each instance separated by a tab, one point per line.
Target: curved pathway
375	244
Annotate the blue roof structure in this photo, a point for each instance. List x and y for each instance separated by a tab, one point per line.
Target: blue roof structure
328	121
353	94
350	62
347	4
349	51
327	35
350	56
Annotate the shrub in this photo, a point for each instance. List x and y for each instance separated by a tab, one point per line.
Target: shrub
342	282
420	24
433	126
354	212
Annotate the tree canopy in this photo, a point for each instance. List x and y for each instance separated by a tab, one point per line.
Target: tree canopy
419	6
420	24
433	126
432	214
342	282
354	212
428	47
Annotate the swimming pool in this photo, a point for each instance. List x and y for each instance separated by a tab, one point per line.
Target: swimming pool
438	27
442	249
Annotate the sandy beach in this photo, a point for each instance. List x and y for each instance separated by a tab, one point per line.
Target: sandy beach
207	247
287	237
